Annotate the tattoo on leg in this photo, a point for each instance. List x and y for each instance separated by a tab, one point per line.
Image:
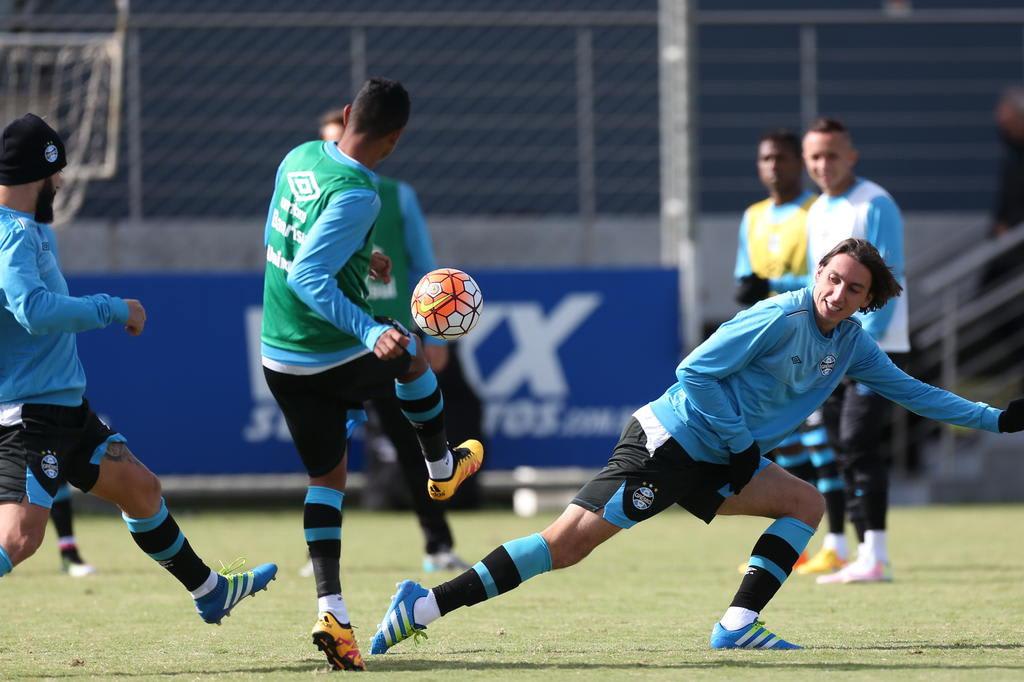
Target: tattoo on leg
119	452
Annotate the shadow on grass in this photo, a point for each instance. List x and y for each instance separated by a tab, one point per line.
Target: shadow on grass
756	660
84	672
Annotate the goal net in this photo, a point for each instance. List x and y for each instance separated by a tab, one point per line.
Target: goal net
73	81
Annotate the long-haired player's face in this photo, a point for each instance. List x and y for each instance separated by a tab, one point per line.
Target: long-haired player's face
841	287
830	159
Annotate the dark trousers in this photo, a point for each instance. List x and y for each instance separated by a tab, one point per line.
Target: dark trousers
396	428
855	419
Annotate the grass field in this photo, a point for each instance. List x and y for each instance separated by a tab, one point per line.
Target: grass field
642	606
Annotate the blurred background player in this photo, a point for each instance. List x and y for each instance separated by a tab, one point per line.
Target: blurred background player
71	559
401	234
855	415
771	258
323	353
48	432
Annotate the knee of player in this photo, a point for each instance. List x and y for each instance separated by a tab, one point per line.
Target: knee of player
24	542
810	504
566	551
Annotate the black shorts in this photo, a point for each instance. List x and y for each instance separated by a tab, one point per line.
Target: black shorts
636	484
315	406
53	444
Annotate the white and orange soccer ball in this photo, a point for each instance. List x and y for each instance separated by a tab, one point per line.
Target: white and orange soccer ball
446	303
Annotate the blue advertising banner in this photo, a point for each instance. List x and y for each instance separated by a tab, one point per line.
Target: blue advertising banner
561	358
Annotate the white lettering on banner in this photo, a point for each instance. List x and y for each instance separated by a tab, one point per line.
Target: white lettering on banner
534	363
537	339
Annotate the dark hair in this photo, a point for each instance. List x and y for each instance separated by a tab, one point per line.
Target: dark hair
828	125
336	116
784	138
380	108
883	283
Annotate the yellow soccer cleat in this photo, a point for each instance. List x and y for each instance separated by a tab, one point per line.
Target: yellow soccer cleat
468	458
825	561
338	643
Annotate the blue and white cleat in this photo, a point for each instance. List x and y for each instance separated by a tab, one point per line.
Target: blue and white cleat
232	589
753	636
398	623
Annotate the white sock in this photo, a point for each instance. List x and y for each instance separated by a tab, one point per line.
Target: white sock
207	586
441	469
425	610
736	617
837	543
336	605
875	545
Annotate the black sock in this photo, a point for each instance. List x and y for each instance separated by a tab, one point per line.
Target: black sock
423	405
835	507
321	521
771	562
497	573
60	514
160	538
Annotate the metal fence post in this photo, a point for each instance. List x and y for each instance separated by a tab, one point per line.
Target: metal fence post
585	140
678	126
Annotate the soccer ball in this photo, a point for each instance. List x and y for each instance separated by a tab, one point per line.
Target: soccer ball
446	303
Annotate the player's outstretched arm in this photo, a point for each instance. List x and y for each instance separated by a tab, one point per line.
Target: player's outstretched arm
42	311
1012	418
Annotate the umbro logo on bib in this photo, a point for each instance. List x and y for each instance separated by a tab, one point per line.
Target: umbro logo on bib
303	185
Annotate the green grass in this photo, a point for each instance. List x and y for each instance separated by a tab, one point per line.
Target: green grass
642	606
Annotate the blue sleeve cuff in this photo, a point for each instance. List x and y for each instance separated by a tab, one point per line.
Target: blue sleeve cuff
118	309
370	339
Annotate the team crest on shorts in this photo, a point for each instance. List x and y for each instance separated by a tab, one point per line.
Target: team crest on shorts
827	364
643	498
49	464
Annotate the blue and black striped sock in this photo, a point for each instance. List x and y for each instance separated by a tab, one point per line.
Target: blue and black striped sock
5	563
830	485
423	405
321	520
160	538
499	572
771	562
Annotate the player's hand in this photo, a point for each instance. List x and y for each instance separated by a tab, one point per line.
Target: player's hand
742	466
1012	418
390	344
751	289
437	356
136	317
380	267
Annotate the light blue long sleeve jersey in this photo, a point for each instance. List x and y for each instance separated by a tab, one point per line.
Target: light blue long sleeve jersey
761	374
337	234
865	211
38	355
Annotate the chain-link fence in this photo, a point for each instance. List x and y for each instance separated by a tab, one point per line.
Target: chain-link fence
528	108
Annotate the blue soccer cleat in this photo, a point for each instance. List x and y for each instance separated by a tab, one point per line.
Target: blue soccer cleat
753	636
398	623
232	589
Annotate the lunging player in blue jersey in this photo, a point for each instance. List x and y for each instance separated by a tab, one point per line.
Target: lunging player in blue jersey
699	445
48	433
